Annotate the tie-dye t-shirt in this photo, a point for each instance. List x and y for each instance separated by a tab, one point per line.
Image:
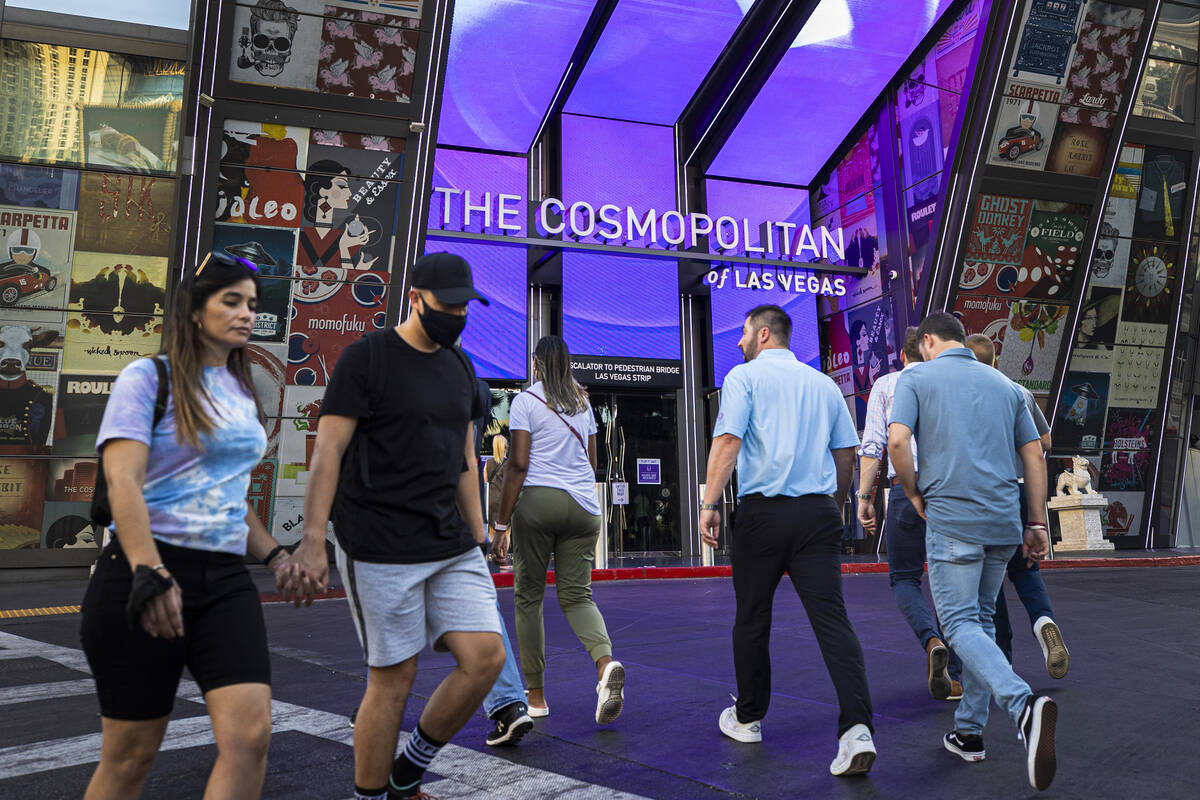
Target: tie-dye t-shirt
196	498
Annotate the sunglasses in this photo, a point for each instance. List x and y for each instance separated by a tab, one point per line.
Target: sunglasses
225	260
282	43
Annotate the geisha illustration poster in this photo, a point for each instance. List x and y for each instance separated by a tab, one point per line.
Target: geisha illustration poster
1081	411
367	54
1025	126
125	214
35	264
272	250
998	229
1032	342
873	350
350	195
32	357
260	180
327	317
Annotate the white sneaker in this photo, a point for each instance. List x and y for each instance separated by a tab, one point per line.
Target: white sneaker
739	731
610	693
1054	650
856	752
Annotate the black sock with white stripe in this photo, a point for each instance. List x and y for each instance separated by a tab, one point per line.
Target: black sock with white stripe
370	794
410	766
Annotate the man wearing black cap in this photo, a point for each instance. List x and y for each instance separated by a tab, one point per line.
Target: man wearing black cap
395	469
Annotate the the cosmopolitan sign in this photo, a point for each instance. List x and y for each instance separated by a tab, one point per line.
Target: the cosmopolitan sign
613	224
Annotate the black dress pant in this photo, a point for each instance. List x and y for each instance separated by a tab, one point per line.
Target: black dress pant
800	536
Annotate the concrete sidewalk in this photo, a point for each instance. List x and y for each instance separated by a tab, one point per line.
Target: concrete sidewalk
1129	707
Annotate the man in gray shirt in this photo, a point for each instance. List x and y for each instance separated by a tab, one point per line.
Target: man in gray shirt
1023	572
968	420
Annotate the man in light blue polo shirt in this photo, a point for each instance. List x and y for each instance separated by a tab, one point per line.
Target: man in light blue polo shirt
968	419
788	428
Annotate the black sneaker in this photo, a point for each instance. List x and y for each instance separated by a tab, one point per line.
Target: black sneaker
353	716
1037	730
968	746
512	723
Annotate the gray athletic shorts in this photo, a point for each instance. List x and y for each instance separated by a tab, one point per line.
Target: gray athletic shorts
397	608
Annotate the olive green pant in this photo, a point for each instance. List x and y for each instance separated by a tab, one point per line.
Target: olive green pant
549	522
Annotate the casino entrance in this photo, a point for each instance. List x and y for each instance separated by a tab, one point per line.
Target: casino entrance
637	446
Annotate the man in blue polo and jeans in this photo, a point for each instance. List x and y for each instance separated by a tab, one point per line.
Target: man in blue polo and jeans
968	420
788	429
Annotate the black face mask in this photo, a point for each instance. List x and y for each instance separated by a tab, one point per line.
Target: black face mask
442	327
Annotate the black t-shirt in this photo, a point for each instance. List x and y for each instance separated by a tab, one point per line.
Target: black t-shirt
412	426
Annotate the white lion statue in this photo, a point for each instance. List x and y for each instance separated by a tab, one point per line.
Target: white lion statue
1077	481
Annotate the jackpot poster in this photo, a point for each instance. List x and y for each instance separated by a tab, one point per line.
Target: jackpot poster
35	265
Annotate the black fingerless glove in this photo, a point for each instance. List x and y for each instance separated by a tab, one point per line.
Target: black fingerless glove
147	584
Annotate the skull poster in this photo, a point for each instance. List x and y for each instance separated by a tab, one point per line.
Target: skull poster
277	44
35	264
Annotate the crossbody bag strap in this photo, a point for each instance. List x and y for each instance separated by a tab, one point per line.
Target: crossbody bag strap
570	427
164	387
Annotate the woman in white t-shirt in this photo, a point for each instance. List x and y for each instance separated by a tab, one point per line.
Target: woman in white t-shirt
551	481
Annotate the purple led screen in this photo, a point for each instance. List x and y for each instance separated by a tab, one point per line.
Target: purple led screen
756	202
495	336
507	59
652	56
486	176
620	306
623	163
843	58
729	307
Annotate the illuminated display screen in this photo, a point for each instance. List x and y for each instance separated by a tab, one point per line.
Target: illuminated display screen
621	163
486	176
729	307
620	306
652	56
507	58
853	48
495	336
756	201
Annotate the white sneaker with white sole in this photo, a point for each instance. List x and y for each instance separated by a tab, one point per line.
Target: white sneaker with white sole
739	731
856	752
610	693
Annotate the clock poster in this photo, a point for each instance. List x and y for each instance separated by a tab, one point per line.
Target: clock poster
1150	283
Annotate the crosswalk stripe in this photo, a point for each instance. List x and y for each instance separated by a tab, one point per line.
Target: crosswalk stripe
468	774
10	695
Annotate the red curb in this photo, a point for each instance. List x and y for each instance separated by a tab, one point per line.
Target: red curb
504	580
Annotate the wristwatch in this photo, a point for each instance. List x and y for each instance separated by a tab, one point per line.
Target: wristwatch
709	507
864	495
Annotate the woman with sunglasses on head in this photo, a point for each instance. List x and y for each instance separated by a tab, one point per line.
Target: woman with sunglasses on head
549	494
171	589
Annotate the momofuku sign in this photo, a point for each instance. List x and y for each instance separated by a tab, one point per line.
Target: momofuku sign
617	225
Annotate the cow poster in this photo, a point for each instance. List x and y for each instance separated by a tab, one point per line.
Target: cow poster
125	214
35	265
30	359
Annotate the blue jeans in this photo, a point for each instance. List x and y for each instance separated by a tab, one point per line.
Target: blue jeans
965	579
1030	588
904	531
508	688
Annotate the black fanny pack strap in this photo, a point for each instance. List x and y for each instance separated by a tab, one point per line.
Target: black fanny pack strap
570	427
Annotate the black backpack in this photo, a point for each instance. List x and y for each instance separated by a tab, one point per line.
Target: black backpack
101	512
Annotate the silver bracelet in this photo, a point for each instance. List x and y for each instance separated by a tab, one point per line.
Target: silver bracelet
498	528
